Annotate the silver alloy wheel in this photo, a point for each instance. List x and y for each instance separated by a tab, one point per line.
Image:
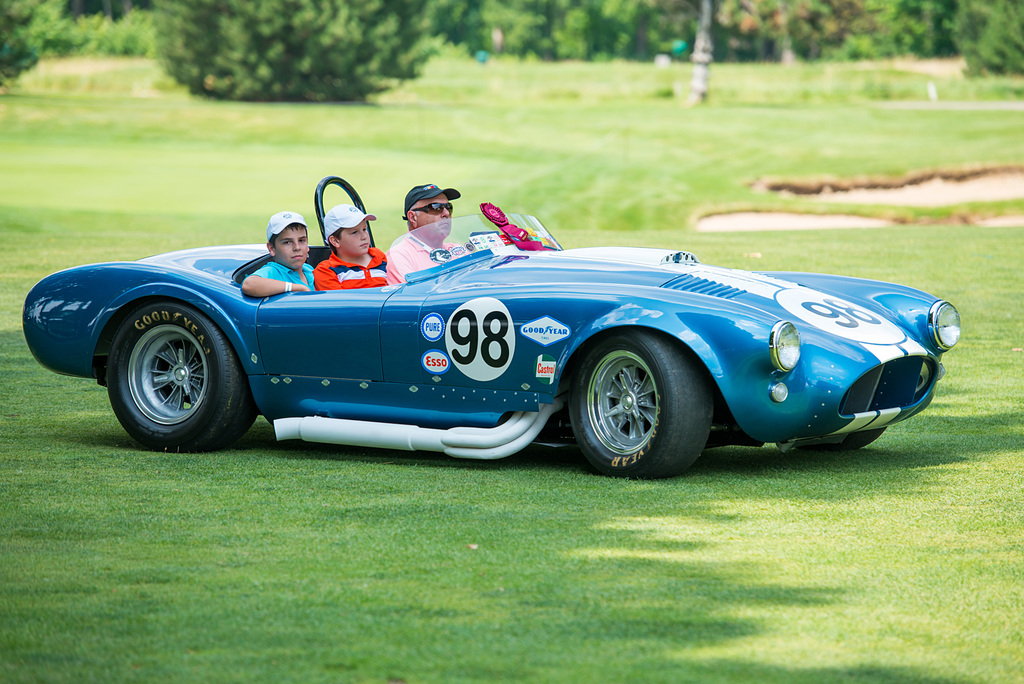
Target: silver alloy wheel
167	374
622	402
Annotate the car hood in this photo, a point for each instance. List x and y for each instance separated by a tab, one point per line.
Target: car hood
847	311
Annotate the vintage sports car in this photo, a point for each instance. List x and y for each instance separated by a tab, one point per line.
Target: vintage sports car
643	357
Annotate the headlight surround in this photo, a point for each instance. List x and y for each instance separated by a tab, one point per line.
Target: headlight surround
784	345
944	323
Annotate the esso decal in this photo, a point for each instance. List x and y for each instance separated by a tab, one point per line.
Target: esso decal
838	316
432	327
481	339
436	362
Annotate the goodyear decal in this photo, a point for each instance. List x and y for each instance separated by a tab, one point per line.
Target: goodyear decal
544	331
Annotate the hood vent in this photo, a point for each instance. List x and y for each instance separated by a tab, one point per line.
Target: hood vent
690	283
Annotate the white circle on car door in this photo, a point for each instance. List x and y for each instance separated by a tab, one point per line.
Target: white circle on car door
481	339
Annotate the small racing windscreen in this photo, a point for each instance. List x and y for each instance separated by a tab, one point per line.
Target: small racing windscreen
452	238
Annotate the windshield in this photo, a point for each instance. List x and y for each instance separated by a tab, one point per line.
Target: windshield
438	243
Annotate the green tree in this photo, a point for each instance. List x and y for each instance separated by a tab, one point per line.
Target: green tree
990	34
459	22
924	28
16	52
290	50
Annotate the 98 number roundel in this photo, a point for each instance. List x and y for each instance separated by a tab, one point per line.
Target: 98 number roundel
839	317
481	339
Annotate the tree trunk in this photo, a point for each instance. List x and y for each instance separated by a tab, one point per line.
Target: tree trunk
108	10
788	56
127	4
701	55
77	7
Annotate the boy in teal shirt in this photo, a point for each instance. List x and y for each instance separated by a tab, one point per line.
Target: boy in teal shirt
287	271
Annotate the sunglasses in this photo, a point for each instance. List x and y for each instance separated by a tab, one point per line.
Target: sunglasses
435	207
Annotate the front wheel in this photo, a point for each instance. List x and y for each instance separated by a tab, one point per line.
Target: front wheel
640	406
175	382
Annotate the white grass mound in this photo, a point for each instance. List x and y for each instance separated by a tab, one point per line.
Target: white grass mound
752	221
937	192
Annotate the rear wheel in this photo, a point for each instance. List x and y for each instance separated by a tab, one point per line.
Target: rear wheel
175	382
640	406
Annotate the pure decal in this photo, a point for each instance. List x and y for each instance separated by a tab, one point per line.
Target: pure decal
432	327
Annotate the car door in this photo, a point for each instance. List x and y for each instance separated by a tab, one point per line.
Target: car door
329	334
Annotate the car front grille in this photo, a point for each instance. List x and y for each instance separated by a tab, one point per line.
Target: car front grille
894	384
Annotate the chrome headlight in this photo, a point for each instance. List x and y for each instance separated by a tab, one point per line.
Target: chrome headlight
784	345
944	324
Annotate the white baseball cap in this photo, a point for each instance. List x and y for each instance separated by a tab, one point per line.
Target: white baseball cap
343	216
282	220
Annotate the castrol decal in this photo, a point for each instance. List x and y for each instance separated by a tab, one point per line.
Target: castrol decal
544	369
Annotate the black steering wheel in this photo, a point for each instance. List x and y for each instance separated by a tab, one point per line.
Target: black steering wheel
318	202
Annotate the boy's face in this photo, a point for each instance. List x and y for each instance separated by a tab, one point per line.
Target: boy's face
351	243
290	247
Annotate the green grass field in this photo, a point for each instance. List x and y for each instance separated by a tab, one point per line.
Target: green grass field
902	562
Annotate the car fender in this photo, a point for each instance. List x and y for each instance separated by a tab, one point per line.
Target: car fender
698	327
70	317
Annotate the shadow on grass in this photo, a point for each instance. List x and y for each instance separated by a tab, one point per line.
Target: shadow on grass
576	569
902	448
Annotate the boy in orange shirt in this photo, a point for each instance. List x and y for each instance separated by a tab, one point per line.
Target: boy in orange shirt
353	262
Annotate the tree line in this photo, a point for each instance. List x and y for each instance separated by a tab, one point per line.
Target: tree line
348	49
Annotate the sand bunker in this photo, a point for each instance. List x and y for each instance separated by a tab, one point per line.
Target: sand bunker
937	192
751	220
924	189
928	189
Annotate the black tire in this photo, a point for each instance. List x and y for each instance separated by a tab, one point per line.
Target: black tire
175	382
640	406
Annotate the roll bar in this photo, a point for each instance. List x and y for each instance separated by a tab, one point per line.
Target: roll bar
318	202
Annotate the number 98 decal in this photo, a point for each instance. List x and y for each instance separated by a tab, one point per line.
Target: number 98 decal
481	339
839	316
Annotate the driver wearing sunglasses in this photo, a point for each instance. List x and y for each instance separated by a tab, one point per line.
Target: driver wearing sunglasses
428	213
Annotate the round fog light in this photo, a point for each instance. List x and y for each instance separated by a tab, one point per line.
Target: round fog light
778	392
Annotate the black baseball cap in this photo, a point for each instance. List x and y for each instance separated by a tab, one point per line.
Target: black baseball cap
421	192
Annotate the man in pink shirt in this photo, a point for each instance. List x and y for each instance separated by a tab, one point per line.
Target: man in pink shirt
428	214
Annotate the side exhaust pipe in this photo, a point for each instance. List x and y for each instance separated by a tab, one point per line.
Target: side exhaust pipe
485	444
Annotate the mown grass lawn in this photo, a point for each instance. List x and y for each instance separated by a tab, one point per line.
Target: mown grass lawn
902	562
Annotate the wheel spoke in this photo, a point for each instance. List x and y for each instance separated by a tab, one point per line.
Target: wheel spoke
161	380
636	430
628	378
646	387
166	354
614	411
193	388
172	397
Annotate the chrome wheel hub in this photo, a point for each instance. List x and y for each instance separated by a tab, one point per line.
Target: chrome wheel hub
623	402
167	374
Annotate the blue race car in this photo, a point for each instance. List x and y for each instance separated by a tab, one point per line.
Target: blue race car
642	357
